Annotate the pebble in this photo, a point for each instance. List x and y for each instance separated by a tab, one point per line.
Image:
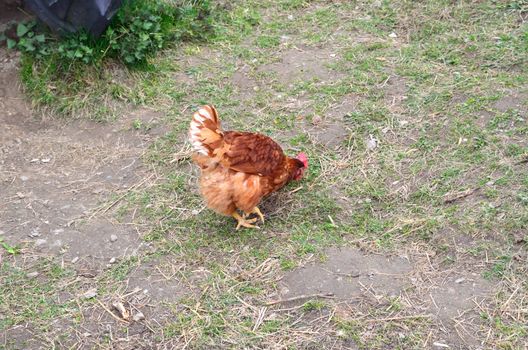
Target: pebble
316	120
74	260
113	238
113	260
24	178
372	143
460	280
40	242
32	274
138	317
34	233
393	35
90	293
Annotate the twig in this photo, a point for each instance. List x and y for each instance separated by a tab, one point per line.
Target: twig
452	197
120	197
260	318
110	312
295	190
522	161
398	318
299	297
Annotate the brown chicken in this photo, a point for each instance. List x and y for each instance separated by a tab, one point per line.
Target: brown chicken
239	168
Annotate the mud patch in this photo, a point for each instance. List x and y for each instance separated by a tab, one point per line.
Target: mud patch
346	273
395	94
303	63
449	298
514	100
56	175
159	280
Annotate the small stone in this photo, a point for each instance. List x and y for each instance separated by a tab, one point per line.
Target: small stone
372	143
138	317
24	178
45	160
113	260
393	35
490	183
34	233
32	274
113	238
317	120
40	242
74	260
520	237
90	293
195	212
290	17
460	280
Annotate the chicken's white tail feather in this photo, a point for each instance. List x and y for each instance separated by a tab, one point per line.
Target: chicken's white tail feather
204	118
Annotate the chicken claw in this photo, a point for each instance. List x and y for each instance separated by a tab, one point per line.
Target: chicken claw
244	222
257	211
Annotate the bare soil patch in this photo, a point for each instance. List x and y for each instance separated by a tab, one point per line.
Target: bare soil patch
449	298
56	174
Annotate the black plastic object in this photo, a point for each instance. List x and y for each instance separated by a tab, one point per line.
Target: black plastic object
68	16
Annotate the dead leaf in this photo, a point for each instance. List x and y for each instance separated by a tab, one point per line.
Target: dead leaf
91	293
125	315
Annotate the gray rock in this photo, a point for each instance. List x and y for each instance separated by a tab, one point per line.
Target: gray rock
40	242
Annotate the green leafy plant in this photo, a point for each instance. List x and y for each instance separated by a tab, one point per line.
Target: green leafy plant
77	48
13	250
137	32
28	40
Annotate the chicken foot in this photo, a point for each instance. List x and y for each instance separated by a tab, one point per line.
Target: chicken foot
255	210
242	221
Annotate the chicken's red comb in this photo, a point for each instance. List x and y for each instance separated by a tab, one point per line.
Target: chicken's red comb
303	158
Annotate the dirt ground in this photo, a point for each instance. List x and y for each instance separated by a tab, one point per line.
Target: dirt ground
62	180
56	173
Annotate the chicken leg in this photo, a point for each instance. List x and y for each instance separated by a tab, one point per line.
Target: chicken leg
257	211
243	221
